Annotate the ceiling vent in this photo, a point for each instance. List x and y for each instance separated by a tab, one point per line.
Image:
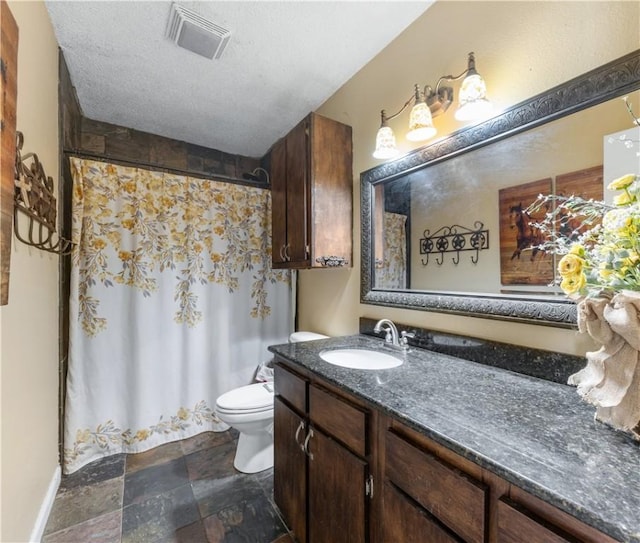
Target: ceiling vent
193	32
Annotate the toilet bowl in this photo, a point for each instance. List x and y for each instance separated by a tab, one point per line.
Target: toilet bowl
249	409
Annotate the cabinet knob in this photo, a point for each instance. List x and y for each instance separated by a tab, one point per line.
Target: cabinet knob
331	261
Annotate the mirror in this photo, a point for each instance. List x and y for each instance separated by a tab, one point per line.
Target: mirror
444	228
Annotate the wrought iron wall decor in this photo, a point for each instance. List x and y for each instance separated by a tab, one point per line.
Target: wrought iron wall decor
454	239
34	198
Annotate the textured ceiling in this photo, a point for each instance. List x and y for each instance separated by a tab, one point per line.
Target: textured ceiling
283	60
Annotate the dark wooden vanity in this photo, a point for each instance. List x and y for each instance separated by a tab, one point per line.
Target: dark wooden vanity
349	469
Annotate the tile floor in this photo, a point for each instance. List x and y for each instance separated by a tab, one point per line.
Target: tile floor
184	492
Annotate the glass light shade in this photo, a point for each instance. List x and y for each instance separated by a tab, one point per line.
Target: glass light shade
473	103
385	144
420	123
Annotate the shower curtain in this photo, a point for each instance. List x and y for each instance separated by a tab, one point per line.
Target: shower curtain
173	302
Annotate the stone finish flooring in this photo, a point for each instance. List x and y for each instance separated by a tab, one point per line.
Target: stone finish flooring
185	492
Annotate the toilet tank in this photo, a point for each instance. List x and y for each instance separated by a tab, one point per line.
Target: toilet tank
296	337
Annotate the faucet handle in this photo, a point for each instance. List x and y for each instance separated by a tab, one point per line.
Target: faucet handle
405	336
388	338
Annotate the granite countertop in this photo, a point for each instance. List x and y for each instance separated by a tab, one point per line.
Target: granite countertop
537	434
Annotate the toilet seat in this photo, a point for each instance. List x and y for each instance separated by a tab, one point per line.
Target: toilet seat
254	398
223	411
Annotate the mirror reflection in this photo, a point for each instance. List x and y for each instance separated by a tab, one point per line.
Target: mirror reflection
460	225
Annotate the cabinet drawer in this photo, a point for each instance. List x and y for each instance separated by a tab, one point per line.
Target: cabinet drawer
406	522
291	387
515	522
338	418
449	494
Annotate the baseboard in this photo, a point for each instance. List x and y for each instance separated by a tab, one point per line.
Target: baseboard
45	508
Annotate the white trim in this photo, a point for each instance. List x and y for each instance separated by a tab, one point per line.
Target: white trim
45	508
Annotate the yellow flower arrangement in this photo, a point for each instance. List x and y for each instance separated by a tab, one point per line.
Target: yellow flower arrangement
603	254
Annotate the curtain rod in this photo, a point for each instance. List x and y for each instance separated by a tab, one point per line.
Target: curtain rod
177	171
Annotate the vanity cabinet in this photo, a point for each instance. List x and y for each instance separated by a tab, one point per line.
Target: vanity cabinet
312	187
429	489
321	468
345	470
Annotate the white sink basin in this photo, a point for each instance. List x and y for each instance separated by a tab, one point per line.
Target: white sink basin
361	359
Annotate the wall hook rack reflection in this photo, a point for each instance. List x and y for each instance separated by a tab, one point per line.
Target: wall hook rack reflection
33	197
454	239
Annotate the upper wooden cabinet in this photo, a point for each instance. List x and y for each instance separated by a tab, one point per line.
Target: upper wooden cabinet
312	195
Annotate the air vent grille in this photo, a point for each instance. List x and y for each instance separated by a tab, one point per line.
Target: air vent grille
193	32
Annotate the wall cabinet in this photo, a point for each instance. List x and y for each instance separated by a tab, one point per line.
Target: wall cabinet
321	472
312	195
328	444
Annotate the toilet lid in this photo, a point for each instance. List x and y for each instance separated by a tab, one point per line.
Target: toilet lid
296	337
247	397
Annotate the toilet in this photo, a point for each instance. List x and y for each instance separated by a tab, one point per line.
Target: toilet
249	409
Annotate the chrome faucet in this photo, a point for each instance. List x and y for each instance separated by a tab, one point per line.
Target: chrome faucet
392	338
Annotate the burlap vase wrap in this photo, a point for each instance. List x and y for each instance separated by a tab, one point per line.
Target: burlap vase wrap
611	378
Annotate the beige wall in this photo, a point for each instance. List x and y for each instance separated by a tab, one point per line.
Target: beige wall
522	48
29	323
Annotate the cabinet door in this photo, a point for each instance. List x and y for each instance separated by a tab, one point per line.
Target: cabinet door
337	498
406	522
298	193
456	499
331	174
289	469
514	521
278	202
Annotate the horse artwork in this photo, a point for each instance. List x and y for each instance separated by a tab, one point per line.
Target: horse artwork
528	236
522	262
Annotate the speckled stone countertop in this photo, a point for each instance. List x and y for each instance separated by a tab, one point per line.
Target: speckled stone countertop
537	434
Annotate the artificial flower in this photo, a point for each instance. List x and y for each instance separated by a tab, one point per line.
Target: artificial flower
622	182
570	264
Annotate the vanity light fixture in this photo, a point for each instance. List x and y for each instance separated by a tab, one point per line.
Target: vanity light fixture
427	103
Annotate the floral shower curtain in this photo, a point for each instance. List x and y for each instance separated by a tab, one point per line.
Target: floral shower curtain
391	271
173	302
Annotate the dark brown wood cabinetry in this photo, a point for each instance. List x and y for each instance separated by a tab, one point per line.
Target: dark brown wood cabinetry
312	187
455	501
321	471
289	465
328	444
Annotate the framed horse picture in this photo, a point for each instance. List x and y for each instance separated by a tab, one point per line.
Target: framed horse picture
521	263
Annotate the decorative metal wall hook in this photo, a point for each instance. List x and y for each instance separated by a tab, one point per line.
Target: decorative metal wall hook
34	198
454	239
